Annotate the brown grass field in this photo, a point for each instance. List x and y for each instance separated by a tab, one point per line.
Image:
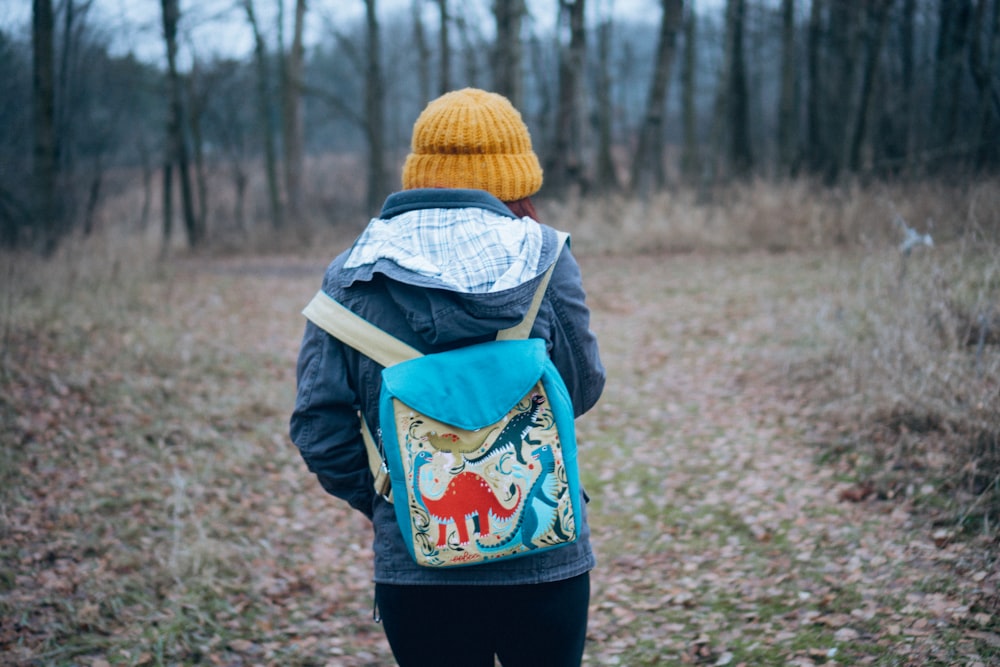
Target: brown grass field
795	461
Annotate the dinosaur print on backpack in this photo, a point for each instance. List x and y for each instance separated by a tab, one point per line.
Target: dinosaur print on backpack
509	496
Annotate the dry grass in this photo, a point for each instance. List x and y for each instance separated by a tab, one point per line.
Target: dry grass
914	359
910	345
777	217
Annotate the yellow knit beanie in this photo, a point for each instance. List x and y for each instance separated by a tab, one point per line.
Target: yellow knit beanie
471	138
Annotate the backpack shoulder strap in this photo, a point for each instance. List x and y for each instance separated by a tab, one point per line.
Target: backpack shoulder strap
357	332
523	328
385	349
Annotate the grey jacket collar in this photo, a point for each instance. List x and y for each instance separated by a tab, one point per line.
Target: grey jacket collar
410	200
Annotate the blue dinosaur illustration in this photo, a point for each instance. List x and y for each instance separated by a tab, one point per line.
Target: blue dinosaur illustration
514	434
541	503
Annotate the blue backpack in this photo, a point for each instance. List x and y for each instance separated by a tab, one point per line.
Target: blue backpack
476	447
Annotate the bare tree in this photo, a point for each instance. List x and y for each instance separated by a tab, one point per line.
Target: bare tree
147	180
76	101
374	111
984	61
606	175
734	95
198	97
565	162
473	44
788	103
47	227
907	117
507	53
444	44
228	122
949	64
65	152
648	161
815	139
423	52
690	158
291	116
370	117
177	146
874	20
264	109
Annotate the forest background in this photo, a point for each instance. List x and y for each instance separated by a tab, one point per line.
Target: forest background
790	209
663	95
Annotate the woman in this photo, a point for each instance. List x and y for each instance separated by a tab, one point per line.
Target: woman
453	258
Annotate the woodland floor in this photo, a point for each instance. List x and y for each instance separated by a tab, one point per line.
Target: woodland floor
154	512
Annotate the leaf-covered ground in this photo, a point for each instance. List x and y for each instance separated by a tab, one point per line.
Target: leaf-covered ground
153	511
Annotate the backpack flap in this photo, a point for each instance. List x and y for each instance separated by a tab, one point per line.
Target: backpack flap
478	384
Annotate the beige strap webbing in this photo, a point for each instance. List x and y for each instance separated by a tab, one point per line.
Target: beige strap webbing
359	333
337	320
523	329
380	471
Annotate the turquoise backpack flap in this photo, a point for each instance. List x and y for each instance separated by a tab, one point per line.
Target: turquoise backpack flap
490	384
480	445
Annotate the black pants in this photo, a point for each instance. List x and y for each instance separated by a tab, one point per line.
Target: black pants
540	625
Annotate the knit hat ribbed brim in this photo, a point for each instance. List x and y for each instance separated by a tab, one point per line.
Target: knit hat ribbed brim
471	138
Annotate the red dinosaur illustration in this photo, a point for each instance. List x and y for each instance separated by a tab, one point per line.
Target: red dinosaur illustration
468	495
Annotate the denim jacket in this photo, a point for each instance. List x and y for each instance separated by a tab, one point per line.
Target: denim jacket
335	381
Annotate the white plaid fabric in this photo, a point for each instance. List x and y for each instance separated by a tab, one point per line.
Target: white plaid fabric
467	249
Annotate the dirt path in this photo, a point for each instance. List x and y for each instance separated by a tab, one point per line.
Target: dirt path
721	539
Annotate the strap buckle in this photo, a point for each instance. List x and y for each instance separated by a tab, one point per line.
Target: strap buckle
383	485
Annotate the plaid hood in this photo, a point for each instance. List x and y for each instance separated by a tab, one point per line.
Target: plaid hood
457	263
469	250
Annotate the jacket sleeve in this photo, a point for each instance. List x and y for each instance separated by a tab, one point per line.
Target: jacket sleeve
573	345
324	423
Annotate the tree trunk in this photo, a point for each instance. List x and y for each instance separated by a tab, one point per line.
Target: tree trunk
423	53
842	71
507	55
292	116
64	101
197	106
444	79
168	205
949	63
565	164
175	123
690	157
147	183
267	122
93	196
471	47
374	112
737	101
546	83
874	20
606	176
648	161
788	131
984	62
47	227
815	139
907	119
239	206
